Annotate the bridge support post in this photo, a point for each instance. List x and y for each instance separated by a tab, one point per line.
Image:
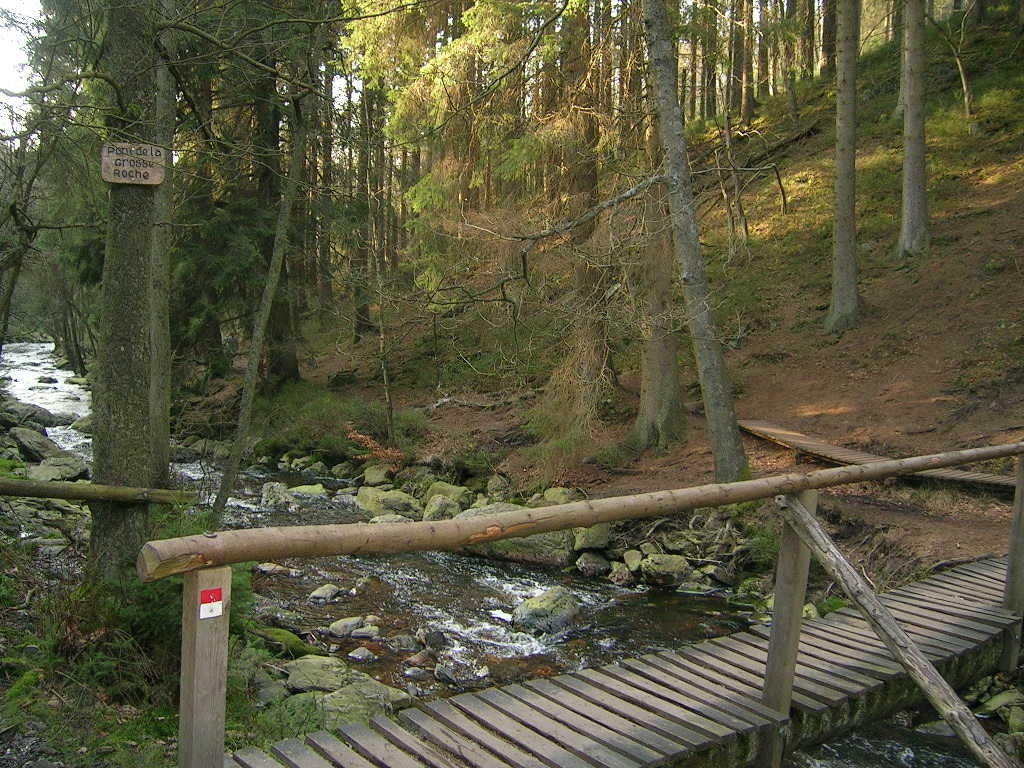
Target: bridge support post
1013	590
790	591
206	607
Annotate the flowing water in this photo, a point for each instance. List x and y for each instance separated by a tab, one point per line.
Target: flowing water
469	600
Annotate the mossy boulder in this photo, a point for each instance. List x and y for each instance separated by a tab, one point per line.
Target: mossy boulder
377	502
358	702
665	569
553	548
317	673
550	611
460	494
441	508
377	474
594	537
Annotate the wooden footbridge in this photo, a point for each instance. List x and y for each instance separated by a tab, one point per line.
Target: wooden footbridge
744	698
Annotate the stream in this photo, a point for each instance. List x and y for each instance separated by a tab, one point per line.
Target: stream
469	600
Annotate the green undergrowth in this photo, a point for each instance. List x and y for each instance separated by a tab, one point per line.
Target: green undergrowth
304	417
95	670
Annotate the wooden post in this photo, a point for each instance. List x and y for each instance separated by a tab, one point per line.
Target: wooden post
204	667
1013	590
790	591
900	645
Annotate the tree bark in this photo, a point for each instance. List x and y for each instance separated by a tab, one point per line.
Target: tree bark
661	418
828	37
845	304
914	212
749	52
716	391
125	408
763	66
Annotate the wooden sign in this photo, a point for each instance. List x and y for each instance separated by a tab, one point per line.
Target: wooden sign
122	163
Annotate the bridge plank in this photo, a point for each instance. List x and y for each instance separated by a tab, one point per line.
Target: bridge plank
994	614
668	710
695	686
951	585
812	671
725	665
375	747
655	722
635	750
855	625
452	717
450	740
581	745
606	717
963	614
805	680
696	660
830	651
981	592
938	633
931	617
339	753
294	754
853	646
250	757
682	670
990	571
546	749
704	706
947	591
401	738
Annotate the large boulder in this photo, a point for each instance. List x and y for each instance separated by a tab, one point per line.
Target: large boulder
377	474
358	702
66	468
666	569
317	673
34	446
555	548
550	611
377	502
21	413
441	508
460	494
594	537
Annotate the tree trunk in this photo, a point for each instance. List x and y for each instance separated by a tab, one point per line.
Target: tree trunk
763	66
843	311
125	452
807	40
914	214
828	37
747	88
726	444
660	419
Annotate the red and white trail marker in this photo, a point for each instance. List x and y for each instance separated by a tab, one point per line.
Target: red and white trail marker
211	603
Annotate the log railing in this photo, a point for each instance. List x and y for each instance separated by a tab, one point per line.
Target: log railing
204	560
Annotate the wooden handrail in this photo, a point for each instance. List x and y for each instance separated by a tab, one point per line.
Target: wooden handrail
38	489
167	557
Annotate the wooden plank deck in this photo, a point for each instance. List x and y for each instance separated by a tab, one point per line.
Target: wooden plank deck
835	454
667	708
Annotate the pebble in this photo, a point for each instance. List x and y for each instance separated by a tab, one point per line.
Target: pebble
325	593
365	632
362	655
